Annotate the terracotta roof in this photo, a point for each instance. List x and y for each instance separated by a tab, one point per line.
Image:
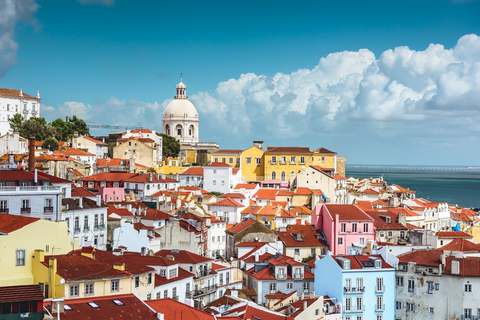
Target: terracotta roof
422	257
339	177
225	151
74	204
469	266
228	202
232	196
217	164
146	178
347	212
266	194
127	307
453	234
323	150
81	192
364	205
241	226
11	222
288	150
14	93
21	293
17	175
303	191
182	274
76	172
73	152
361	261
155	214
141	131
298	235
108	176
381	220
112	162
175	310
182	256
95	141
193	171
122	212
461	245
245	186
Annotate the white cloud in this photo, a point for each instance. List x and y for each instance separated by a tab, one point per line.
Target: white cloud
11	12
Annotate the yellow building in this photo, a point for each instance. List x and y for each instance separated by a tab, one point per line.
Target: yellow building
283	162
144	150
252	162
19	238
80	274
232	157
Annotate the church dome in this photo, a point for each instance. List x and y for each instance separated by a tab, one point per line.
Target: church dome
180	108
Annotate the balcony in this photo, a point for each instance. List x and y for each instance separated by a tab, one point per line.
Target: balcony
351	309
297	276
28	189
86	228
25	210
4	210
76	230
380	289
354	290
99	227
201	292
48	209
281	276
379	307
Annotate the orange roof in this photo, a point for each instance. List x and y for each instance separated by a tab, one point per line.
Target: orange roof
245	186
81	192
182	256
108	176
453	234
288	150
266	194
73	152
241	226
228	202
364	205
112	162
232	195
303	191
193	171
217	164
339	177
299	235
10	222
227	151
324	150
461	245
141	131
14	93
95	141
347	212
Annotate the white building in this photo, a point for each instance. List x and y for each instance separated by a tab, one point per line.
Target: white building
145	185
180	118
87	221
216	236
221	177
12	143
98	148
191	177
227	210
15	101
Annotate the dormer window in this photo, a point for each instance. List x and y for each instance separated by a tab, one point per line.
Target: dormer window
346	264
378	263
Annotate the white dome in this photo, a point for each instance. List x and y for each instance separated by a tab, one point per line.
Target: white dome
180	108
181	85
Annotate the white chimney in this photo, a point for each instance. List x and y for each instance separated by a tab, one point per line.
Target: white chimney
256	256
99	200
80	202
305	305
35	179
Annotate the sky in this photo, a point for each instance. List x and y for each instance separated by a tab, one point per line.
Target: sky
380	82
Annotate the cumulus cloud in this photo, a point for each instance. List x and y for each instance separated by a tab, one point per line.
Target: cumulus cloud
402	90
11	12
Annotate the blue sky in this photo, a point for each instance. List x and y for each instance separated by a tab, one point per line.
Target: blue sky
381	82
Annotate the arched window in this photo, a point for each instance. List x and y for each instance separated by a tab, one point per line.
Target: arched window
283	176
274	175
167	130
191	131
179	130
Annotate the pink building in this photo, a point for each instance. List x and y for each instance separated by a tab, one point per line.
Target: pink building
112	194
346	226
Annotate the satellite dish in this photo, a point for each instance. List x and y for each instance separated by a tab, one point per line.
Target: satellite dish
62	281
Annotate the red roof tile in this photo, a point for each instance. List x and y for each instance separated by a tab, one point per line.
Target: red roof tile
422	257
226	203
112	162
241	226
306	233
14	93
81	192
155	214
108	176
21	293
245	186
183	256
95	141
324	150
462	245
453	234
174	310
347	212
357	261
266	194
193	171
182	274
225	151
288	150
10	223
381	220
217	164
232	196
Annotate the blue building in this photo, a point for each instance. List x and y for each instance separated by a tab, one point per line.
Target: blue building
364	284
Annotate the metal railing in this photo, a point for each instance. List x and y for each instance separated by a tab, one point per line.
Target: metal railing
4	210
379	308
76	229
354	289
86	228
200	292
25	210
48	209
380	289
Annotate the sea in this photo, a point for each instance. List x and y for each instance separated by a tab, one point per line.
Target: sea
454	185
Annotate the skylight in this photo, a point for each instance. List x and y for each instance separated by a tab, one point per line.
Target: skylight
118	302
93	305
67	307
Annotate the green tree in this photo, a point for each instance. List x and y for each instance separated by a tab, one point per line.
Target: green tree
63	128
215	193
305	260
50	144
171	147
16	122
79	126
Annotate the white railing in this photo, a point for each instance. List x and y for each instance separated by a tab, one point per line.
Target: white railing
29	188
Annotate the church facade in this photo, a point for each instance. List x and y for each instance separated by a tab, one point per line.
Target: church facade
181	121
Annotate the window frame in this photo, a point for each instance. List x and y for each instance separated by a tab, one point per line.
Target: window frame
20	257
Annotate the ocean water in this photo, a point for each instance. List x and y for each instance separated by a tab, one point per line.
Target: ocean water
455	185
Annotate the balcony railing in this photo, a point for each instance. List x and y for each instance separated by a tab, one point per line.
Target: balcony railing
48	209
26	210
76	230
297	276
354	289
380	289
99	226
29	188
4	210
379	307
86	228
281	276
201	292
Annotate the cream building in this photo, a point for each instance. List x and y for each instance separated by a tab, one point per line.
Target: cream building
14	101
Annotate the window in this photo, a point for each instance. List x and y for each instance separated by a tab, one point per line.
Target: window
430	287
380	285
365	227
74	290
467	313
379	303
165	294
292	160
354	227
283	176
359	303
468	287
398	305
213	239
227	277
215	159
306	287
88	289
258	161
273	287
187	287
343	227
172	273
114	285
137	281
274	159
20	257
302	160
230	160
359	284
431	309
249	160
224	160
281	273
274	175
174	293
289	285
410	306
214	182
437	286
411	285
25	206
3	206
283	160
149	281
149	296
379	317
312	251
340	241
348	304
400	281
348	284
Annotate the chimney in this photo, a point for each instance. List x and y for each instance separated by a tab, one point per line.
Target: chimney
21	92
305	305
35	177
150	177
99	200
31	154
256	256
80	202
